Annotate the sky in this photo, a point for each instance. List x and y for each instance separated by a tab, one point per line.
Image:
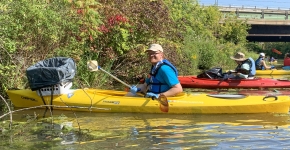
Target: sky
271	4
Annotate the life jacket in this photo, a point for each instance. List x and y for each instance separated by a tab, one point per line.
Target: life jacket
154	84
258	64
252	67
252	71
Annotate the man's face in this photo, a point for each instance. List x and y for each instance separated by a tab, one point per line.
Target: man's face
238	62
154	56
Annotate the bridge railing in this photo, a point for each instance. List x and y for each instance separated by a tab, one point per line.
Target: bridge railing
248	7
257	13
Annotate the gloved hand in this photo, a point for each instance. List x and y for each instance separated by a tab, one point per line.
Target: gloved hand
232	71
134	89
152	95
272	67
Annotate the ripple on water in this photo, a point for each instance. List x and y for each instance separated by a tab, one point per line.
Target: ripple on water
163	131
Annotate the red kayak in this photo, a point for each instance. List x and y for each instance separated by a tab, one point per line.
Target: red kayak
194	82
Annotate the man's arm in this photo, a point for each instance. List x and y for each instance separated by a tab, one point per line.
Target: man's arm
170	78
175	89
265	65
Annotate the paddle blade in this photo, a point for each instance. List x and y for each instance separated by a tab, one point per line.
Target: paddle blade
164	107
92	65
276	51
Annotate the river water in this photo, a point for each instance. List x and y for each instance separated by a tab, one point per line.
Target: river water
157	131
137	131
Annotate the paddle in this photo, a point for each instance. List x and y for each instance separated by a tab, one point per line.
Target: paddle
93	66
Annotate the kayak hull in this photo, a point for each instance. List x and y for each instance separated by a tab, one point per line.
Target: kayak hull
184	103
272	72
194	82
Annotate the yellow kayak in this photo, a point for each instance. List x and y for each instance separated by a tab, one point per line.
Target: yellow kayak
272	72
184	103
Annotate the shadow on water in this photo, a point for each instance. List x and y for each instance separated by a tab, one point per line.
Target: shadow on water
161	131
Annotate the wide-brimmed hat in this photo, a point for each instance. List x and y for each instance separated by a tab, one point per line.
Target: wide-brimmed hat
239	56
155	48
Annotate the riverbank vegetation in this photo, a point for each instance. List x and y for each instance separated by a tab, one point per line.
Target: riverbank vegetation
116	33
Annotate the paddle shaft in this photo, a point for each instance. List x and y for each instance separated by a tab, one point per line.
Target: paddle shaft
115	77
129	85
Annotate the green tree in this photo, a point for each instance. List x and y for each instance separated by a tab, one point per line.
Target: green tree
233	30
35	30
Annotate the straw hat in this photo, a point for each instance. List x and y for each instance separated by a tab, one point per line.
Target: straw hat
239	56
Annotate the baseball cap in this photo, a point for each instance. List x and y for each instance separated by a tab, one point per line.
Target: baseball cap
262	54
155	48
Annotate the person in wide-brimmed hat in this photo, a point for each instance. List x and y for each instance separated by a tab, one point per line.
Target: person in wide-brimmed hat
261	63
244	69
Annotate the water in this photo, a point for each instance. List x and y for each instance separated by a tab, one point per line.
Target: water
108	131
161	131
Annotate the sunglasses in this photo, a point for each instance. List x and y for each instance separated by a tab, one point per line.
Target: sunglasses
150	54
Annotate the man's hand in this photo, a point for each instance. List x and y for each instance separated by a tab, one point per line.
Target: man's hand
272	67
233	71
152	95
134	89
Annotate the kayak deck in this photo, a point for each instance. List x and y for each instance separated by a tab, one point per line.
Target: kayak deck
272	72
184	103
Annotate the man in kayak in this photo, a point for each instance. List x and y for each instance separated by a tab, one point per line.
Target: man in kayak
163	78
245	69
261	63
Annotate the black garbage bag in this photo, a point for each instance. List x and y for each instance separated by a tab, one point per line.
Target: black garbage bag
213	73
50	72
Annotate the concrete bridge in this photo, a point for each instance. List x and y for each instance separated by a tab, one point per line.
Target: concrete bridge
267	25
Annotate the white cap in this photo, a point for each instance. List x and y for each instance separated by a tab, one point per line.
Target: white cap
262	54
155	47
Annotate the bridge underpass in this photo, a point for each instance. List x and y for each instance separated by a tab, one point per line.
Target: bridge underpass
269	33
267	25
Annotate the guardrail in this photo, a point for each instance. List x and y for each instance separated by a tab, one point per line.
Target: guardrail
248	7
259	15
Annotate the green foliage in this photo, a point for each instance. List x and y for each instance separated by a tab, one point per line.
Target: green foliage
255	47
116	34
190	18
233	30
197	27
200	54
35	30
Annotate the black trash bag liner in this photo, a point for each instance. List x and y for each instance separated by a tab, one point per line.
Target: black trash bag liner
213	73
50	72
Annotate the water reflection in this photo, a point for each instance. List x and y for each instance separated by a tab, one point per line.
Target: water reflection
162	131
